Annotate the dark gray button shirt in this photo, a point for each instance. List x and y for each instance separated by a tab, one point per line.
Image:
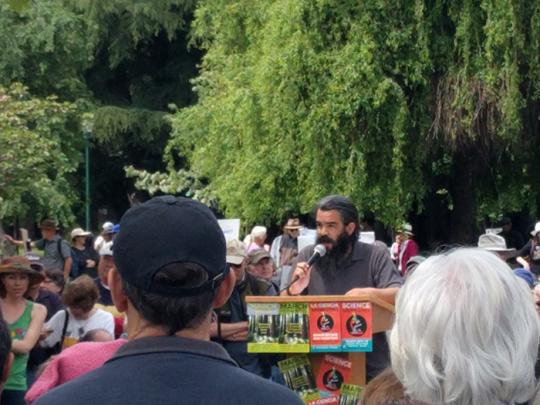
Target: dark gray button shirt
52	259
170	370
368	266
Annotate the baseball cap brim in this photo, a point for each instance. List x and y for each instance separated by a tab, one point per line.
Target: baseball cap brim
236	260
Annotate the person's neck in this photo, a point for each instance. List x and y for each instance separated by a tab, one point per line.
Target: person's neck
11	300
34	294
242	280
138	328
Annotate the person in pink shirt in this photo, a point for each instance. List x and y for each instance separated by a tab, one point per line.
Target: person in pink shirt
257	239
407	248
72	363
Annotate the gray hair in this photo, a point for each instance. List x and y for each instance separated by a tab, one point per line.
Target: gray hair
466	332
258	232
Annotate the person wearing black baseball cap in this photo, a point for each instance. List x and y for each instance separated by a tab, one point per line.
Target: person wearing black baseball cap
170	273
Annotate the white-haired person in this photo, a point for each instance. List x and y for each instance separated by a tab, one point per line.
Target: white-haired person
257	237
466	332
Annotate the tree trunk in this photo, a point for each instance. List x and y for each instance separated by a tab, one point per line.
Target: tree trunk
463	191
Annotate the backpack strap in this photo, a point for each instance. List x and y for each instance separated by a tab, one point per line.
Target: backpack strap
59	247
64	328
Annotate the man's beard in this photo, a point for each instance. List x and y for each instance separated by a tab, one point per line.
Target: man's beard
331	263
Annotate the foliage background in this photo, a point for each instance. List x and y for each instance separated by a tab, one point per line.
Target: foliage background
419	110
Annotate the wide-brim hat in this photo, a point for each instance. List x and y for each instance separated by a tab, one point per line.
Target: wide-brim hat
293	224
20	264
48	224
79	232
536	229
493	243
407	229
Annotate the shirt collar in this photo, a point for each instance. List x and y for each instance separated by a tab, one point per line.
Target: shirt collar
55	238
172	344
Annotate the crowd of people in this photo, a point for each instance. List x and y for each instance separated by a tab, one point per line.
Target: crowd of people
154	310
53	301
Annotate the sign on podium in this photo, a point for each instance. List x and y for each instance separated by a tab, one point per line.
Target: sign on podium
325	338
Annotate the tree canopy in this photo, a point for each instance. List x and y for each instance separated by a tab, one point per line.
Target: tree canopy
416	109
38	155
389	104
126	62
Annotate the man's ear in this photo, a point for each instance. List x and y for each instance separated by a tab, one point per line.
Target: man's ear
7	367
350	228
117	290
224	290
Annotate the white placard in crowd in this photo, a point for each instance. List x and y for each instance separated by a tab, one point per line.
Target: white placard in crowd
230	228
24	234
494	231
367	237
306	238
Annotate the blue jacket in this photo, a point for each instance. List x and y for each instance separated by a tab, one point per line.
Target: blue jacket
170	370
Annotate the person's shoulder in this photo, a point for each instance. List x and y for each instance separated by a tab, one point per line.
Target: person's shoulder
373	248
267	392
92	350
526	247
57	319
59	315
239	386
377	255
38	309
86	389
366	248
306	251
101	313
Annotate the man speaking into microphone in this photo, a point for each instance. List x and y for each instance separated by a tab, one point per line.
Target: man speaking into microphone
348	267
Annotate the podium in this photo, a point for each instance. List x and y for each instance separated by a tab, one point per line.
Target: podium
382	318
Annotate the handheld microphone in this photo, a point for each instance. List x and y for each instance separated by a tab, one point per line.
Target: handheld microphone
318	252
